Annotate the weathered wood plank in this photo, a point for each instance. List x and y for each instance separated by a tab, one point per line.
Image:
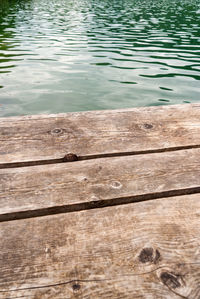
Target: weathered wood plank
140	250
35	138
118	179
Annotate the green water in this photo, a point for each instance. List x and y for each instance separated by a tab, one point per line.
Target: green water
72	55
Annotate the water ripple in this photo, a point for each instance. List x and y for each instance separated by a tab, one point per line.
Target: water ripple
59	56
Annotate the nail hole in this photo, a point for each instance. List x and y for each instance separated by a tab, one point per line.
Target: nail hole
56	131
148	126
116	184
76	287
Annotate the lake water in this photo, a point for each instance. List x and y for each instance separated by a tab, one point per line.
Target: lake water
73	55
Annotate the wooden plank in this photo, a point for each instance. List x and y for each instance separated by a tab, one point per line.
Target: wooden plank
141	250
90	183
86	134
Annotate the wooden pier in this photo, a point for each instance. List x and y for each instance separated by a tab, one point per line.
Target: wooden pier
102	204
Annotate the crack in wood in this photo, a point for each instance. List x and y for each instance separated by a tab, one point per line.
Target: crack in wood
77	281
176	293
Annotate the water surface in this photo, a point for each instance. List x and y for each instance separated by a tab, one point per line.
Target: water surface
73	55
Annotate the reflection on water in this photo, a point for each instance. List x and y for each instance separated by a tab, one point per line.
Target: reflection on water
72	55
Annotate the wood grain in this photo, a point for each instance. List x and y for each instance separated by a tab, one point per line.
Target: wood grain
86	134
140	250
93	182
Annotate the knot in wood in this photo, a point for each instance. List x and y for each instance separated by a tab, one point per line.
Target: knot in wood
146	255
70	158
149	255
171	280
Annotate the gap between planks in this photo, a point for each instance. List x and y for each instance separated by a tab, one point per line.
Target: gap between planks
72	157
96	204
